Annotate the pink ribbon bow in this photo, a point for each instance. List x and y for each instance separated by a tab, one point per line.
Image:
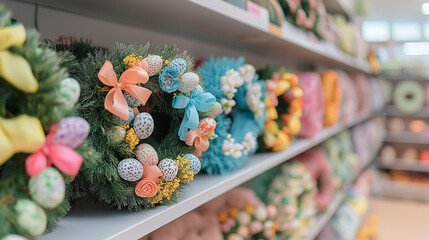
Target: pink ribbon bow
64	158
115	101
271	87
194	137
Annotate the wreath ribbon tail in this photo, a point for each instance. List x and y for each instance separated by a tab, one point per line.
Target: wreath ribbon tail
17	71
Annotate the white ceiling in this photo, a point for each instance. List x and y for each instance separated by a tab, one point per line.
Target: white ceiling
397	10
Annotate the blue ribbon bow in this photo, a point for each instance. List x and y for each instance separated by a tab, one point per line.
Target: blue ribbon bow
203	103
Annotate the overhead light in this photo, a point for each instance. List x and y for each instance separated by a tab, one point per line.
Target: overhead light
416	48
376	31
425	8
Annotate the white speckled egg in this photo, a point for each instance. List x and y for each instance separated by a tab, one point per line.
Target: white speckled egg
206	126
214	111
48	188
154	64
196	91
168	169
30	217
143	125
130	117
117	133
131	100
190	81
130	169
146	154
71	132
69	92
195	164
13	237
179	64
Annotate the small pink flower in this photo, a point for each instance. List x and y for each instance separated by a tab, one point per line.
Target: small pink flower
255	227
268	233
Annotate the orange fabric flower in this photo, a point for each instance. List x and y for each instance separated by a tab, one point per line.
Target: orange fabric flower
233	212
222	216
146	188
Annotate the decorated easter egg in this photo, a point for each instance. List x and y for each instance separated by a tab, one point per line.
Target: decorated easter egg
154	64
146	154
214	111
206	126
69	92
117	133
130	118
130	169
13	237
131	100
168	169
143	125
195	164
178	64
196	91
190	81
30	217
71	132
47	188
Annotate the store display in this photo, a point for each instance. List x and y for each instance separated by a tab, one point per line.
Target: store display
388	155
417	126
332	95
408	97
409	156
350	98
377	99
396	125
424	156
363	90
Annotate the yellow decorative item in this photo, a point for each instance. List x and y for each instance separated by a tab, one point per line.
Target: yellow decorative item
20	134
332	93
14	68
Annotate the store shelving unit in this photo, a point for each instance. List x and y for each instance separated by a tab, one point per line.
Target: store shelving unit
404	190
417	166
391	111
408	137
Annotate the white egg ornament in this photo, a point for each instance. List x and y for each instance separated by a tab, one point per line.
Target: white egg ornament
130	169
31	217
130	118
117	133
214	111
195	164
13	237
146	154
143	125
168	169
190	81
154	64
69	92
179	64
131	100
206	126
71	132
48	188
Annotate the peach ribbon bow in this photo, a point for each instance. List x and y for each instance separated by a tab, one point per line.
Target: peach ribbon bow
201	142
115	101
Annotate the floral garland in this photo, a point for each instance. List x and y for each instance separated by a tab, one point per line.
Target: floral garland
235	86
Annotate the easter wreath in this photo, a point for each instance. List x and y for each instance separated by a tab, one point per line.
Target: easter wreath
129	173
240	116
284	108
36	142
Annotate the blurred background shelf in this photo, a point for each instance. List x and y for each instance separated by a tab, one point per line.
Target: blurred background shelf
416	166
404	190
343	7
407	137
392	111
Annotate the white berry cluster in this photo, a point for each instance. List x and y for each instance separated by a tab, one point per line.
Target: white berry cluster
253	99
236	150
249	143
247	72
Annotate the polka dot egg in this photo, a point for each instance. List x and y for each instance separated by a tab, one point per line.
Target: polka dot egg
206	126
48	188
117	133
195	164
69	92
71	132
131	100
146	154
30	217
143	125
13	237
214	111
197	91
168	169
130	169
154	64
130	118
190	81
178	64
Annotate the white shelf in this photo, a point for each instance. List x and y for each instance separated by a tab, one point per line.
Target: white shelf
98	222
417	166
216	22
408	138
392	111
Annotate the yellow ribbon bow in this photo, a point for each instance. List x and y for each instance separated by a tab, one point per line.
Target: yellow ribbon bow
14	68
20	134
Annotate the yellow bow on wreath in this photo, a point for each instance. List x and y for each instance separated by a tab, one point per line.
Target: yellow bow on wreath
14	68
20	134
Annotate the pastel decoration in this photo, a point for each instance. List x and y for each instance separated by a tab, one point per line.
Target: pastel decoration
408	96
115	101
131	100
214	111
190	81
154	64
146	154
198	137
409	156
146	188
47	188
362	86
169	80
350	100
198	90
13	237
427	94
31	217
69	92
152	172
117	134
130	169
332	94
195	164
130	117
20	134
143	125
417	126
71	132
178	64
388	155
206	126
168	169
396	125
424	156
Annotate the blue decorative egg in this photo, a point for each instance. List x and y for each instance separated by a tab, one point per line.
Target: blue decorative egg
190	81
143	125
130	118
179	64
71	132
195	164
130	169
131	100
168	169
198	90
